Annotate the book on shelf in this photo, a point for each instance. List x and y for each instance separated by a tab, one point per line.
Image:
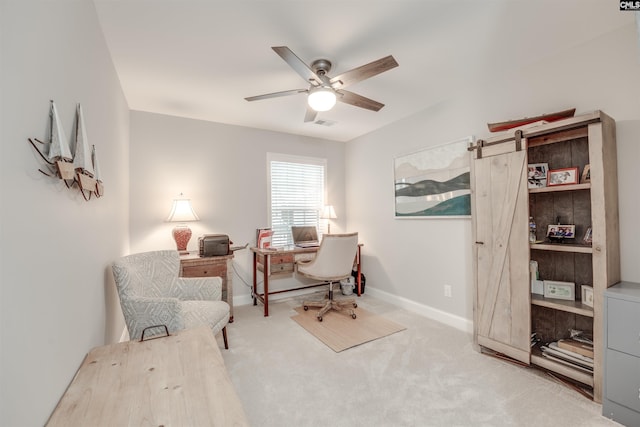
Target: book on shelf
577	347
566	357
567	363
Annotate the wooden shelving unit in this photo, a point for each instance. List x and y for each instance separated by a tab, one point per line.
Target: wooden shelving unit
506	313
562	247
576	307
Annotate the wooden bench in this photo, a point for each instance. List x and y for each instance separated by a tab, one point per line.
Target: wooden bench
176	380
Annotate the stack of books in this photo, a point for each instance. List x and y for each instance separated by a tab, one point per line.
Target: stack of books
575	352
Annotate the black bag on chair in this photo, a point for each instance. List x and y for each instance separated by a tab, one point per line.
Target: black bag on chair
363	279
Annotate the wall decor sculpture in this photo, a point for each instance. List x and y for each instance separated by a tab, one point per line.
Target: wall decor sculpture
434	182
79	168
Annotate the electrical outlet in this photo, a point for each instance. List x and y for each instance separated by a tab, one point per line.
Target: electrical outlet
447	291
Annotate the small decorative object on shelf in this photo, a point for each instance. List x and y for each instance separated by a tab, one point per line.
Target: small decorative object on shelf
560	290
548	117
563	176
532	230
587	295
588	238
586	174
537	175
557	232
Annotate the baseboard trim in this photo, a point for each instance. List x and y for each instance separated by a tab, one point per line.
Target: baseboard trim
449	319
432	313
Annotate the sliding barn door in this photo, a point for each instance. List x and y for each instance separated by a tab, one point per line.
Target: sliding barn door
500	198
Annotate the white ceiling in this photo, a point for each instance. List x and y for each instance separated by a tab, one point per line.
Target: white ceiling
200	59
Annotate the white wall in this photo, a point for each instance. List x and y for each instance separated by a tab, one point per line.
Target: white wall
411	260
57	297
222	168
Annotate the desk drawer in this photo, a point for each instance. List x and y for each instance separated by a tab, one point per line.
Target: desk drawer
623	379
278	268
277	258
623	326
210	270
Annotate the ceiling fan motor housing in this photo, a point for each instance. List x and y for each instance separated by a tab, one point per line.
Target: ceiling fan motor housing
321	66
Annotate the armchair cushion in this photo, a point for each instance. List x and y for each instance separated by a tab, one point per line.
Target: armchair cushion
198	288
213	313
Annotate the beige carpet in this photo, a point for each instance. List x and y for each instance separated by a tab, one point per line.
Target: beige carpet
340	332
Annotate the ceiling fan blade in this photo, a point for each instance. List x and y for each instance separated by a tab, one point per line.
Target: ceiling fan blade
358	100
363	72
310	115
298	65
276	94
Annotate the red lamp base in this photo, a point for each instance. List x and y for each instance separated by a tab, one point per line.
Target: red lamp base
182	235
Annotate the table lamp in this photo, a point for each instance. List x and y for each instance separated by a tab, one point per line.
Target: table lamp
328	213
181	212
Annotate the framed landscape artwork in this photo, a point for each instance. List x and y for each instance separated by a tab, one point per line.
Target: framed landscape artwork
434	182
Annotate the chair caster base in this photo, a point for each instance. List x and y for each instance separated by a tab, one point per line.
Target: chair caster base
306	308
319	318
353	316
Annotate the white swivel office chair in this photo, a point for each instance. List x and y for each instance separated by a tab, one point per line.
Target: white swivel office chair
333	262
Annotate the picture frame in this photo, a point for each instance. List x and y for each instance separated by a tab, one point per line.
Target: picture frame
564	176
586	174
537	175
561	231
560	290
434	182
587	295
588	236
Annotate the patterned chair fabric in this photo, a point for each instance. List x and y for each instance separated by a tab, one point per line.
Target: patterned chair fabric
151	293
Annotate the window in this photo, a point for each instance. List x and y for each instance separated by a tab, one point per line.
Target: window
296	193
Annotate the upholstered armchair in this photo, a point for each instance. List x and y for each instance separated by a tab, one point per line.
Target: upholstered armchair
151	293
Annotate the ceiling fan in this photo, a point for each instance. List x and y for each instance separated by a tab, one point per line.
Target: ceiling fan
324	91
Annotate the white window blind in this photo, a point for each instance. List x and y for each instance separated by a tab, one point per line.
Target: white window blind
296	194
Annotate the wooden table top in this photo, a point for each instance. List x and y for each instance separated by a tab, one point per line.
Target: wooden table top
176	380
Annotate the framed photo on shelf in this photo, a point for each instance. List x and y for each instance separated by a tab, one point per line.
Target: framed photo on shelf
563	176
561	231
587	295
586	174
560	290
537	175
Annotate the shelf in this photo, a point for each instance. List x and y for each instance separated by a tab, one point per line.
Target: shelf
562	247
557	188
538	359
575	307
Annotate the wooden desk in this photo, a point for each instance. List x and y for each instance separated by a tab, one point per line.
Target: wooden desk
282	261
179	380
193	265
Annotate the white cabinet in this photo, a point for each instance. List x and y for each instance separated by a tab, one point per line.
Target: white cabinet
621	397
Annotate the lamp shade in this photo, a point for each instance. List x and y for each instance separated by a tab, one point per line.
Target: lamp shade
321	98
181	211
328	212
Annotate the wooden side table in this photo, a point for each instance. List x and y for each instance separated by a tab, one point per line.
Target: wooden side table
176	380
193	265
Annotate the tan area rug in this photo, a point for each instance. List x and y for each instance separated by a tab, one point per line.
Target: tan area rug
340	332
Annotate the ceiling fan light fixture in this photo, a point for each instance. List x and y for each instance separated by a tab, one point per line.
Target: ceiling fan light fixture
321	98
